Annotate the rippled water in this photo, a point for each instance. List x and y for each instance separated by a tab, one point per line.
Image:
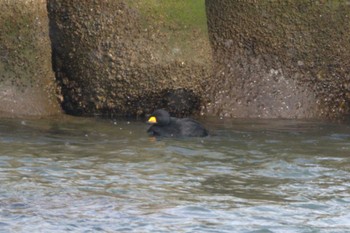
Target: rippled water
90	175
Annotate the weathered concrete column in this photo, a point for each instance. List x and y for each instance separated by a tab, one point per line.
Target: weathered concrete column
27	82
128	57
280	58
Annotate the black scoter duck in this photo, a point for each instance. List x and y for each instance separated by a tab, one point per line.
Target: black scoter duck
166	126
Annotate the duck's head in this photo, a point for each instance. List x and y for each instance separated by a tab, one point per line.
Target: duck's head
159	117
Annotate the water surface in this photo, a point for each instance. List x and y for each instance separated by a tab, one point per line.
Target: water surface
91	175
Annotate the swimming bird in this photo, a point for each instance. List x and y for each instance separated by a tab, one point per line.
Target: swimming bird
166	126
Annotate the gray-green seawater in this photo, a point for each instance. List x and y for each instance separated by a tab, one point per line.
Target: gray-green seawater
94	175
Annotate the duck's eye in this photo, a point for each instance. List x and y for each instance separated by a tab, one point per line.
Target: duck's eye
152	120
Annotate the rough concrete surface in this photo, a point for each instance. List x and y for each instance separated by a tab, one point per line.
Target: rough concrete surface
286	59
117	57
250	58
27	82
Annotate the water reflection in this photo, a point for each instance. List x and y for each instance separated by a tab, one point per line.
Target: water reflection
80	175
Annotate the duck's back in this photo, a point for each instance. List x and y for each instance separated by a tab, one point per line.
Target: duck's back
191	128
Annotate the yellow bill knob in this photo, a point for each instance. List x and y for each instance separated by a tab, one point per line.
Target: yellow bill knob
152	120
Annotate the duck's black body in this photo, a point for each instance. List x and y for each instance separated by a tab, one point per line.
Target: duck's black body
165	126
